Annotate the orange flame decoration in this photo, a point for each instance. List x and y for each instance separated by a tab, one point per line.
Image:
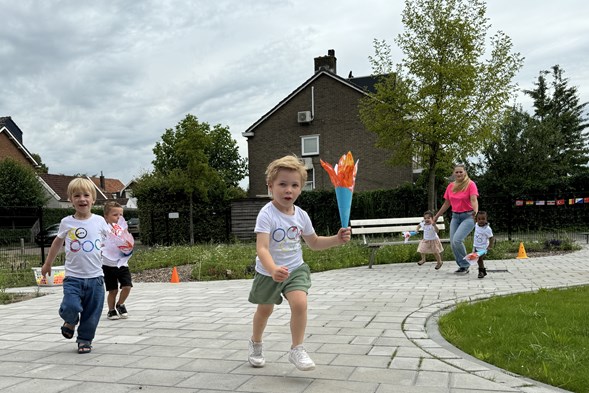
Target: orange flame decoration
343	174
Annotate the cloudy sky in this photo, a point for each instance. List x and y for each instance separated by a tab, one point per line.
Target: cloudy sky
94	85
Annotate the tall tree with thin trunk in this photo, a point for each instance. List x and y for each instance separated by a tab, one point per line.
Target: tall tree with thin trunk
443	101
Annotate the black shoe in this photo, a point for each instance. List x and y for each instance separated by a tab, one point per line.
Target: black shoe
482	272
462	270
112	314
122	311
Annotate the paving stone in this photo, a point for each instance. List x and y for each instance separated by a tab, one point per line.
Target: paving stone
376	336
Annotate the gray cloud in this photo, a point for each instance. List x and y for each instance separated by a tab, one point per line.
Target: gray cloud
93	86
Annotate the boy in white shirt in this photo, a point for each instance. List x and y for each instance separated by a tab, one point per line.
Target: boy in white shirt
83	285
483	240
280	269
115	261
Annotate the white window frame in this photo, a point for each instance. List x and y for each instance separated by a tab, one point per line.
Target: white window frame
310	183
309	153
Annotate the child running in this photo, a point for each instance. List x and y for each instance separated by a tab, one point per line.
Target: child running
115	263
430	244
280	269
83	285
483	240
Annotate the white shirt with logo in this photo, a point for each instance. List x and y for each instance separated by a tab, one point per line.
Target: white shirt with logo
83	241
285	235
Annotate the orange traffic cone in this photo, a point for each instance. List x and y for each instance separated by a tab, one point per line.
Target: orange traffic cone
521	254
175	279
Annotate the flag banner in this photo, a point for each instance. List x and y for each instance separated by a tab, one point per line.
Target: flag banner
540	203
560	202
571	201
578	200
529	203
519	202
551	203
586	200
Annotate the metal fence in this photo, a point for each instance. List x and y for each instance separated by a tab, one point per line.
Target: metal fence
535	218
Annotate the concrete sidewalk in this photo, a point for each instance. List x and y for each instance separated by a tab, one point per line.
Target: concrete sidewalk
369	330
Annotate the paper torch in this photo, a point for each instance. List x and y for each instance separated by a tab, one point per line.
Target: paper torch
473	257
118	244
343	178
406	235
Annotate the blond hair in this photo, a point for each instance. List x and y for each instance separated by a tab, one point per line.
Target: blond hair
108	206
80	184
290	163
461	186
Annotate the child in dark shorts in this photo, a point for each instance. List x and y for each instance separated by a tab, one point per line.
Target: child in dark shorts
116	272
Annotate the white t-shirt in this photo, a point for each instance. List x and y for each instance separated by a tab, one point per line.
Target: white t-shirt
285	235
482	236
83	240
429	233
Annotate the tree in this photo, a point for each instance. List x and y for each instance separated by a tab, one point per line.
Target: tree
224	156
19	185
197	161
557	109
194	144
41	168
549	147
443	101
519	149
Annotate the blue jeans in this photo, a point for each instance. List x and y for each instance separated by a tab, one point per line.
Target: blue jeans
83	299
460	226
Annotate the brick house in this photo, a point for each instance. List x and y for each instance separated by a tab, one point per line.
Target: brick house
11	143
55	186
320	119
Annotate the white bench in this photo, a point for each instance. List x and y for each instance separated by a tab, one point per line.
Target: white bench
384	226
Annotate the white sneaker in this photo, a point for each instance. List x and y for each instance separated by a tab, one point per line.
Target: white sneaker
300	358
256	354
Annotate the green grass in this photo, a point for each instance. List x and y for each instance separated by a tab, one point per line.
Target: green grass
235	261
7	298
542	335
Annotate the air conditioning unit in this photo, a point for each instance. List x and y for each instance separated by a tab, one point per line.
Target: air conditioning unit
304	117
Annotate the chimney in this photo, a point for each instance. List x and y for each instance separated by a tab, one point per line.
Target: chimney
326	62
102	183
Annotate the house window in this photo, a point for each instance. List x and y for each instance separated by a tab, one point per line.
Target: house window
310	145
310	183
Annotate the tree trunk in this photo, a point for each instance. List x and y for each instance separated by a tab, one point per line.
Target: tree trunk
431	180
191	222
431	189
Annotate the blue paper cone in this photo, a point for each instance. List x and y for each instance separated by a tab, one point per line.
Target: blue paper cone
344	204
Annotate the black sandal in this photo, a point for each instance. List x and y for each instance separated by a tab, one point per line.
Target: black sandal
84	348
66	331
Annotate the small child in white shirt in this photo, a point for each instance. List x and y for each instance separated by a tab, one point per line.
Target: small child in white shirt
430	244
483	240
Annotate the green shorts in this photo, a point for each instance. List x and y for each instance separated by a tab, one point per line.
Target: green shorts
267	291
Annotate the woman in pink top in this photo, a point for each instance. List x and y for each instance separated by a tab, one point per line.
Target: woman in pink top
461	195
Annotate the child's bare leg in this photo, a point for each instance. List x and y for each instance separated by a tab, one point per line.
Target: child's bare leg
438	260
481	263
124	294
298	316
261	316
111	299
422	260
